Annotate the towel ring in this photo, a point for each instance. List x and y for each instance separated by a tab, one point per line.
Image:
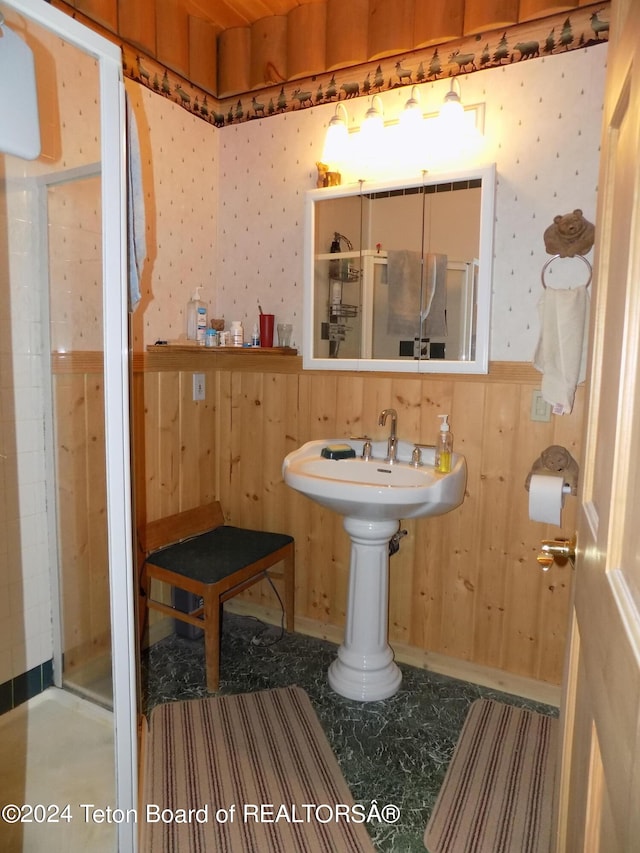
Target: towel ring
555	257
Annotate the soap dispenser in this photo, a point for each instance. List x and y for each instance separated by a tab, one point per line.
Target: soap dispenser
444	447
196	317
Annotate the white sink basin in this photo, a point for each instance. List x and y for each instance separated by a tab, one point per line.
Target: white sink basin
372	496
373	489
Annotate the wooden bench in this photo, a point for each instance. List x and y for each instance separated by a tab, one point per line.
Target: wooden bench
197	552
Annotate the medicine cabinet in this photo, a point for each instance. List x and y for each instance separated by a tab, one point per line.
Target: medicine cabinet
398	275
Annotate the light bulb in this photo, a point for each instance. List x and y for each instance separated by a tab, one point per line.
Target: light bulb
452	112
413	142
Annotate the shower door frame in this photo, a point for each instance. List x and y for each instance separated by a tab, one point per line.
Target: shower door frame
116	394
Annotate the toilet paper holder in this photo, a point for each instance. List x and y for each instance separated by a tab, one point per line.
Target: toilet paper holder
556	460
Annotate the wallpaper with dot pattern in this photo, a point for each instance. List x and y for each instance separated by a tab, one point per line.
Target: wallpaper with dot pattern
225	207
542	129
180	185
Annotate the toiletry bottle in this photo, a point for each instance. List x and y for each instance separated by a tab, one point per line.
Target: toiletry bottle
210	338
237	334
334	266
196	317
255	336
444	447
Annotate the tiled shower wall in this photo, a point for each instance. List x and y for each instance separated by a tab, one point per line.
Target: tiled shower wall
25	599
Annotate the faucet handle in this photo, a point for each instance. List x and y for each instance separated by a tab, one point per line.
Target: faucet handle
367	450
416	456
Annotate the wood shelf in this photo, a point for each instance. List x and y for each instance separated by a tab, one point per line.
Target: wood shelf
223	350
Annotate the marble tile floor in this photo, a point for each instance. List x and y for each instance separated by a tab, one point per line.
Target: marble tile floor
394	751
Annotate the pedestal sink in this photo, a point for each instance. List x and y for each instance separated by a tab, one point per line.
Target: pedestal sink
373	496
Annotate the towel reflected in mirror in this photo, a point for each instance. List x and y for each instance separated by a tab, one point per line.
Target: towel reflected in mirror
409	303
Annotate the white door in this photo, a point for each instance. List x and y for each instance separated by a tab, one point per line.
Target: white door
598	806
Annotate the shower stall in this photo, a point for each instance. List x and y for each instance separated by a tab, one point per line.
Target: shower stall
66	587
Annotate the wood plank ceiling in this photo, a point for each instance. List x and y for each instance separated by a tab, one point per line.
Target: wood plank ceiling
229	47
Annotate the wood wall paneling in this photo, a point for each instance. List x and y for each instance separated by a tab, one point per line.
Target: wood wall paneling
531	10
347	33
172	36
390	27
306	40
137	23
321	38
105	12
82	519
465	586
234	61
268	51
203	54
437	22
481	15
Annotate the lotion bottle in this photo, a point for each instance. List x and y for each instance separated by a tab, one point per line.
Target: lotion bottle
237	334
196	317
444	447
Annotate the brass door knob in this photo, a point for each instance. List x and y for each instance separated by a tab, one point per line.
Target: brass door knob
550	549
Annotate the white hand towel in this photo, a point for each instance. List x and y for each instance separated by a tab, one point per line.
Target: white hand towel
404	271
560	350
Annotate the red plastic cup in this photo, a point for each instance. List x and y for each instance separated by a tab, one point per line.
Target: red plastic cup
266	330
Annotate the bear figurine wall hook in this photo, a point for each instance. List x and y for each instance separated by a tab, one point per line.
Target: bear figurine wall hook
569	235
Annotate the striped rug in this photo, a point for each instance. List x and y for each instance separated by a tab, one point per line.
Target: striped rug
497	794
252	772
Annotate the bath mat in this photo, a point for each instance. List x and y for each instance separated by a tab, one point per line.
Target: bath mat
253	772
498	791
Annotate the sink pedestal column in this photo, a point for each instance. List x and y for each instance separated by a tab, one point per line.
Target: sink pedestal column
364	668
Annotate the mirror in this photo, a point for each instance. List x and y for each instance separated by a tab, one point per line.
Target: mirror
398	275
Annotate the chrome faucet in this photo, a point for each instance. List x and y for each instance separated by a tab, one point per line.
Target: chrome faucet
392	444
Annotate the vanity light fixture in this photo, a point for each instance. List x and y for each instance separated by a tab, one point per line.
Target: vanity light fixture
412	133
411	143
372	140
457	134
336	142
452	111
411	117
373	126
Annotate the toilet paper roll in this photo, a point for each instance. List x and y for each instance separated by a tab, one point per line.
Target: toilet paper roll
546	498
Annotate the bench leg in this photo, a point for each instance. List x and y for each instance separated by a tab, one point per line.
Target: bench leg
289	573
212	639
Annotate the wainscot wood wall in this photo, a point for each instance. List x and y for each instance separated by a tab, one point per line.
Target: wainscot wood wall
82	507
465	588
466	594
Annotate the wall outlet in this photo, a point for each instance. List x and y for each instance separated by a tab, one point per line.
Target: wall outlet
198	386
540	409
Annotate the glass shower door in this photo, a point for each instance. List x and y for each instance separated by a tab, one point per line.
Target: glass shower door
74	243
68	269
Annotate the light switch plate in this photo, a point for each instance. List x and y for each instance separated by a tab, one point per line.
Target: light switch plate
540	409
198	386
